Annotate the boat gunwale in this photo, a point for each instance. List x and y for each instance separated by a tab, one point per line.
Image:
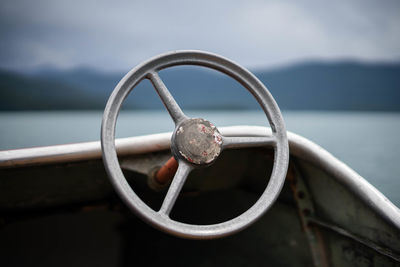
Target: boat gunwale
299	147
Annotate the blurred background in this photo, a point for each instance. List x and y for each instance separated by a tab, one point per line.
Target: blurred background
332	66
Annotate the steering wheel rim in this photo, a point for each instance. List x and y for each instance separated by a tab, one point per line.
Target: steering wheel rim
161	220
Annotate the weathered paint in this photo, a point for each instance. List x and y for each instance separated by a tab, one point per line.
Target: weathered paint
198	141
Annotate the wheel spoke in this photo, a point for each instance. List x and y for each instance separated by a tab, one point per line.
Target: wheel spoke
175	187
168	100
247	141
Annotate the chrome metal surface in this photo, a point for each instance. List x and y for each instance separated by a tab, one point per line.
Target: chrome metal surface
181	146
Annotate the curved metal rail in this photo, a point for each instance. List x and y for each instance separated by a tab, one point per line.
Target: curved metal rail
299	146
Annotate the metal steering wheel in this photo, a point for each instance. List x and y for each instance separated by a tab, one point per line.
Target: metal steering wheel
195	143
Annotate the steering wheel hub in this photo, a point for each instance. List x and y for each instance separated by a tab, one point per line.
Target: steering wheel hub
197	141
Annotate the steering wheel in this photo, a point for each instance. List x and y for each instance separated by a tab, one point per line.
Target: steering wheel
195	143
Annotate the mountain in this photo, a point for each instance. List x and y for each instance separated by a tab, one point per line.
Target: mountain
307	86
336	86
20	92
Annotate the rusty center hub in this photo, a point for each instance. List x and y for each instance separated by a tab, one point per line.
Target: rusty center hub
198	141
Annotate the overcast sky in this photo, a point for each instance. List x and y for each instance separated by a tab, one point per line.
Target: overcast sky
117	35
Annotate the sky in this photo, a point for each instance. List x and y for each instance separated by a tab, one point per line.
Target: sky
117	35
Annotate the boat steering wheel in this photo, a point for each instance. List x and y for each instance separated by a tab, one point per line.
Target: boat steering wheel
195	143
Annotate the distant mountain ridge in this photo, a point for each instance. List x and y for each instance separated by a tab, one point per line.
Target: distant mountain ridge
307	86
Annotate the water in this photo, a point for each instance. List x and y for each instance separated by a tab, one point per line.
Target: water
367	142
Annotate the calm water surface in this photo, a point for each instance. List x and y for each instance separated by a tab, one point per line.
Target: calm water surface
367	142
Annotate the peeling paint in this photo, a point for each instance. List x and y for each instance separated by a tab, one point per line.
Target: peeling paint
198	141
186	157
217	138
180	130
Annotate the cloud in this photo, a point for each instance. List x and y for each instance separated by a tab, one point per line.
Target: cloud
117	35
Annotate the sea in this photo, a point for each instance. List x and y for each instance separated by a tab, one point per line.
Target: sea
368	142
